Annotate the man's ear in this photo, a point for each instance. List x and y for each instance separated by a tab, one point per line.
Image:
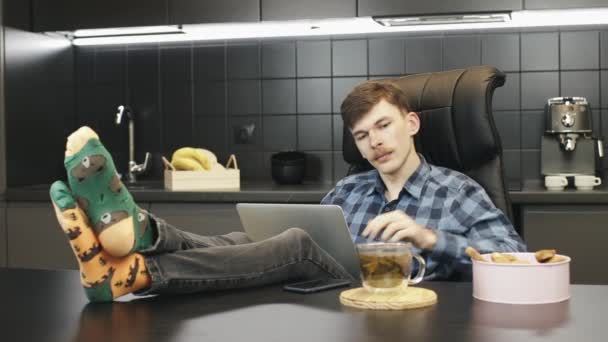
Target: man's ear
413	121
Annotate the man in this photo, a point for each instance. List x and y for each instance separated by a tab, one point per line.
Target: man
438	210
123	249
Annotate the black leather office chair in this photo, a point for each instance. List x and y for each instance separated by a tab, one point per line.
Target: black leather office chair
457	127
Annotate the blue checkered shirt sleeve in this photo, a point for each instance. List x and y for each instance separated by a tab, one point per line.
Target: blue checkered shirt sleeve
471	219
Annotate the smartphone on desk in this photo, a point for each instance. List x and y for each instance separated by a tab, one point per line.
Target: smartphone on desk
316	285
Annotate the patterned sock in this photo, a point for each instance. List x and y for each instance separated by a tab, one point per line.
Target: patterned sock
103	276
120	225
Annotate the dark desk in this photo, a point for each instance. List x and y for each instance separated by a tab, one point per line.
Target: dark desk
50	306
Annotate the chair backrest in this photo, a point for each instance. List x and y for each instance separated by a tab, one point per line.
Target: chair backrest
457	126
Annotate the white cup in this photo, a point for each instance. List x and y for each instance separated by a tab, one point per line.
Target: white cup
556	183
583	182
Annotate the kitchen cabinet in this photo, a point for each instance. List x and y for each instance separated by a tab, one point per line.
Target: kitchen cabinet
2	234
404	7
213	11
579	231
556	4
307	9
78	14
35	238
204	219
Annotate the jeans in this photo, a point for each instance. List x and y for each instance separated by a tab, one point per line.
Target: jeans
182	262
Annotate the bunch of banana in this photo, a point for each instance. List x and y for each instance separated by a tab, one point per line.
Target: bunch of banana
193	159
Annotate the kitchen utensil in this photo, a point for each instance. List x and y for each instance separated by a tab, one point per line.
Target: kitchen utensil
583	182
555	183
288	167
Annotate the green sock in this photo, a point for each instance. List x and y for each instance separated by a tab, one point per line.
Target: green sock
121	226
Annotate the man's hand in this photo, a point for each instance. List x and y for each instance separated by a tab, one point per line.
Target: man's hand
397	226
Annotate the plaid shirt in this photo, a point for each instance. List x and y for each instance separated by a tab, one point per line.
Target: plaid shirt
456	207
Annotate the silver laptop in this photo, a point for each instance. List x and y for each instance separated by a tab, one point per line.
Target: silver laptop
324	223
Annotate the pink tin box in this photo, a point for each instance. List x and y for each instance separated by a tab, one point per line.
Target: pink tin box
533	283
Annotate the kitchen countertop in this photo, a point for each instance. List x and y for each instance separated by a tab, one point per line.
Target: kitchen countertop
532	192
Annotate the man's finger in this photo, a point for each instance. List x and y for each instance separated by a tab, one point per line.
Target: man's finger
378	222
390	230
402	235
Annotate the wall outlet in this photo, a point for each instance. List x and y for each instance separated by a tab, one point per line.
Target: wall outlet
243	134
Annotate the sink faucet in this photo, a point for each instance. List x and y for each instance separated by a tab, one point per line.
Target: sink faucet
134	168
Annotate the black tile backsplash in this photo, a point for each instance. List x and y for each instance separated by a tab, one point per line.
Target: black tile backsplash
278	59
461	52
581	83
338	126
508	123
532	130
315	132
254	98
110	66
85	64
539	51
176	64
210	98
314	95
512	163
279	96
349	57
501	51
386	56
537	87
604	49
604	89
530	161
280	132
142	65
423	55
579	50
314	58
318	166
177	99
243	61
209	132
244	97
209	63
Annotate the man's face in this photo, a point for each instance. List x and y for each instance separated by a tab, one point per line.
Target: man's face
384	136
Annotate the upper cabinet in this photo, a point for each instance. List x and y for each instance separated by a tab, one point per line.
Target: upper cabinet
555	4
59	15
404	7
67	15
307	9
213	11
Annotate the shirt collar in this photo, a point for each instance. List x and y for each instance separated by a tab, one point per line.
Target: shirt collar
413	185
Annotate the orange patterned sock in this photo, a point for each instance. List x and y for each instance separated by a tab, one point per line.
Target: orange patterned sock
103	276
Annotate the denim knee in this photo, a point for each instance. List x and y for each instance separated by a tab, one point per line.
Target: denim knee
298	239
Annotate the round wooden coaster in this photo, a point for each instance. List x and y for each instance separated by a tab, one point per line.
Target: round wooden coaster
409	298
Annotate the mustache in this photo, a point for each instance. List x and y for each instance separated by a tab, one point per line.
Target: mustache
379	153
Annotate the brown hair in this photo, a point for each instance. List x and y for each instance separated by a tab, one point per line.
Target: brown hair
368	94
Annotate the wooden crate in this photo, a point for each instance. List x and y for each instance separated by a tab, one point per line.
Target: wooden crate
213	180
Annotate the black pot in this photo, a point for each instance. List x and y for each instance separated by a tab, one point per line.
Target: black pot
288	167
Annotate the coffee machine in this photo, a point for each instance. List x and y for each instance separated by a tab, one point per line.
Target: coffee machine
568	147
